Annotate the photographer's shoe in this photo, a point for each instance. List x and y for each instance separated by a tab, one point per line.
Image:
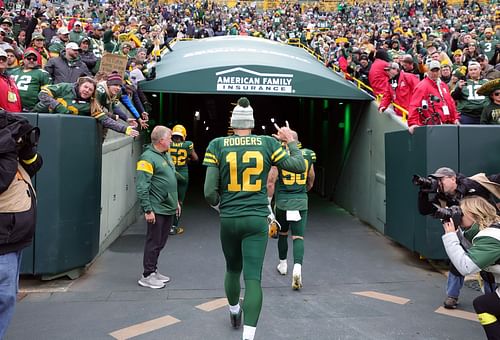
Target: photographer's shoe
450	303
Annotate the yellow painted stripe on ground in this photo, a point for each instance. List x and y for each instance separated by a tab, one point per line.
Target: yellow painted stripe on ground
144	327
457	313
213	305
383	297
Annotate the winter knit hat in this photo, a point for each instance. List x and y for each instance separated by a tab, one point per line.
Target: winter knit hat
114	78
242	117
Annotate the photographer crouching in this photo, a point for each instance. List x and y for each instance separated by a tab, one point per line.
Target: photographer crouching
18	162
442	189
480	217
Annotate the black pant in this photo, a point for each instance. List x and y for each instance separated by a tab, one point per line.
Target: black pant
489	303
156	238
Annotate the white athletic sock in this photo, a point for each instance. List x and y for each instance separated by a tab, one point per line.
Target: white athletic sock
248	332
283	261
234	309
297	268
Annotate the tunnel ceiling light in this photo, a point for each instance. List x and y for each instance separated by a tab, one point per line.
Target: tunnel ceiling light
154	95
341	103
272	120
197	115
207	128
263	127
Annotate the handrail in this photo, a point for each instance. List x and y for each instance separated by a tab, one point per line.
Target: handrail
359	83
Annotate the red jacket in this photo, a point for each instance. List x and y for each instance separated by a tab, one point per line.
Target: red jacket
402	94
10	100
378	77
423	92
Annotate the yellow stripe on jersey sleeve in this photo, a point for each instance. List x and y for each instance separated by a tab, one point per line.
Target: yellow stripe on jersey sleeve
210	158
276	152
277	155
145	166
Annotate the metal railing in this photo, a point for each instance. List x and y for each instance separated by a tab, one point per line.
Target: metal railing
359	83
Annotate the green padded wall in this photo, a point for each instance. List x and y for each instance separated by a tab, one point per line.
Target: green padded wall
69	195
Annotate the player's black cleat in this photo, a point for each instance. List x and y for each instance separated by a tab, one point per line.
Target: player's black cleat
236	319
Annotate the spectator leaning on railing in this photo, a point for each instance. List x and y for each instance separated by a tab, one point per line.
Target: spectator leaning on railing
399	89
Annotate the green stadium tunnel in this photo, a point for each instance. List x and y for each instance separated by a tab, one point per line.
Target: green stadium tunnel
199	83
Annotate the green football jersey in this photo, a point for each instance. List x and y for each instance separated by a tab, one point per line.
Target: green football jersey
180	153
471	103
244	163
29	83
291	189
488	47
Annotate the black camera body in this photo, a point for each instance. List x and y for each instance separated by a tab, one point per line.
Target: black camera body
449	213
426	184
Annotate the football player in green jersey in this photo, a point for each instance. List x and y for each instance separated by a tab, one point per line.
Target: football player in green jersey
181	151
235	185
30	78
291	211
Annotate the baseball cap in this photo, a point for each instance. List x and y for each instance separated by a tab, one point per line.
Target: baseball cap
481	57
62	30
30	52
488	30
458	52
444	172
98	27
77	23
392	65
3	53
8	21
72	46
434	64
37	36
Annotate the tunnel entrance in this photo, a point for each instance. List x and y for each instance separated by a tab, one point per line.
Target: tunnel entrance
199	83
323	125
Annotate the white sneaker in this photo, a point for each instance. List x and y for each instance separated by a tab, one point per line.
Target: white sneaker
151	282
160	277
297	276
282	267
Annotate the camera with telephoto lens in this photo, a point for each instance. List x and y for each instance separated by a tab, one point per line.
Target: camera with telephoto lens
447	214
426	184
28	139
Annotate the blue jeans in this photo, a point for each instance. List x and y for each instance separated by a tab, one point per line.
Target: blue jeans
10	264
454	284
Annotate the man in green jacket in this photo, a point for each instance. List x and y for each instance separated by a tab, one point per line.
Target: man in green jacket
156	187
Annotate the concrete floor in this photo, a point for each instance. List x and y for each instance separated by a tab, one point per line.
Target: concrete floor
343	257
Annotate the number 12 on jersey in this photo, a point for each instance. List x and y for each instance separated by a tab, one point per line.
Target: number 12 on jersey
245	172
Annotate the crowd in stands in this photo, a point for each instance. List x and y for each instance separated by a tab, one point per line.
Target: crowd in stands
387	46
